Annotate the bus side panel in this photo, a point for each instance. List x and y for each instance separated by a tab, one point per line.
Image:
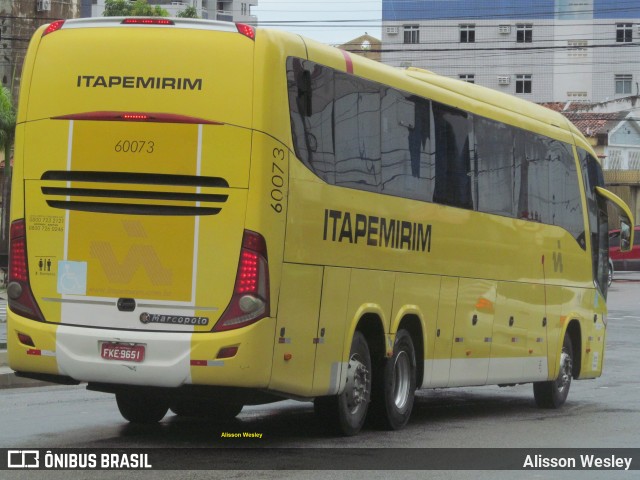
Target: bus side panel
268	197
371	291
297	325
333	314
518	348
472	332
418	294
593	333
438	366
536	365
559	302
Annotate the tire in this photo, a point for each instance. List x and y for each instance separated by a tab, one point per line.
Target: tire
141	408
209	409
553	394
346	413
394	385
610	274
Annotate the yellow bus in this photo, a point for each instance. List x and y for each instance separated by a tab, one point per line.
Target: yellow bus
207	215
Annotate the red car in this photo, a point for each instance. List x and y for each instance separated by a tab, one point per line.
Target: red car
624	260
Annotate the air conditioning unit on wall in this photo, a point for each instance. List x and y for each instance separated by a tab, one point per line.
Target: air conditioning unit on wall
392	30
43	5
504	80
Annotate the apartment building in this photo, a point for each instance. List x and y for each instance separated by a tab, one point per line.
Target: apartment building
543	51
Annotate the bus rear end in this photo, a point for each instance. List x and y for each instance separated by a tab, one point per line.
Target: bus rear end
131	261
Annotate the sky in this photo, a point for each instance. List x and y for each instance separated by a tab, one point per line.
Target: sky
328	21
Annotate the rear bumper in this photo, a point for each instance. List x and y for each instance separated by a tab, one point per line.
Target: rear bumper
172	359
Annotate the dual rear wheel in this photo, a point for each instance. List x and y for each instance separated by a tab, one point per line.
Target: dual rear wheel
385	394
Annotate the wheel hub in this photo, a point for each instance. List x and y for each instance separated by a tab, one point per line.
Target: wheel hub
358	381
566	368
401	374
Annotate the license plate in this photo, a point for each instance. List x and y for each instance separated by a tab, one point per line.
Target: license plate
122	352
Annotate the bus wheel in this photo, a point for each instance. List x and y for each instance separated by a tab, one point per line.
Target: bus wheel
141	408
346	413
209	409
394	386
554	393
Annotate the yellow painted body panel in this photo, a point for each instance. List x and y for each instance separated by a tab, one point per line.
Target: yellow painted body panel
250	367
294	351
473	324
439	369
64	68
331	331
43	336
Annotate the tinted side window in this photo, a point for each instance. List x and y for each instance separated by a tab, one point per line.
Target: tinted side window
598	221
534	179
312	115
360	134
494	165
564	191
357	132
408	161
453	162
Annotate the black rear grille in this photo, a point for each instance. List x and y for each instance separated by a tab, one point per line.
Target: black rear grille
208	203
133	178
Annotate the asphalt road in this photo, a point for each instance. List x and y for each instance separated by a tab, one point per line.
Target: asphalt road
601	413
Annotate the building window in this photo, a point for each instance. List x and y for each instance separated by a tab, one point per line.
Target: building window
467	33
624	32
580	96
577	48
623	84
467	77
524	33
411	34
523	83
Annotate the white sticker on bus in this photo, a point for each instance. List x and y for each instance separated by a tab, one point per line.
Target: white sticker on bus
72	278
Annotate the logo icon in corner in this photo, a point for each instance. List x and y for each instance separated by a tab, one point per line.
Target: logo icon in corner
23	459
173	319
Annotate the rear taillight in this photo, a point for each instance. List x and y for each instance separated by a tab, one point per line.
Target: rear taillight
113	116
19	294
53	27
250	300
147	21
246	30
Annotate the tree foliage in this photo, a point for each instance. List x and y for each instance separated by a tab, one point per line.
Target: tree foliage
7	120
139	8
189	12
7	136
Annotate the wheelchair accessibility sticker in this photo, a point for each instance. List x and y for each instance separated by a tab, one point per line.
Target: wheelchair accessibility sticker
72	278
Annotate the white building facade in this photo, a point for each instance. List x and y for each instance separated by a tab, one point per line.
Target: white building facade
543	51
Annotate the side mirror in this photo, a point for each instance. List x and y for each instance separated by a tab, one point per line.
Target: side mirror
626	218
626	234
